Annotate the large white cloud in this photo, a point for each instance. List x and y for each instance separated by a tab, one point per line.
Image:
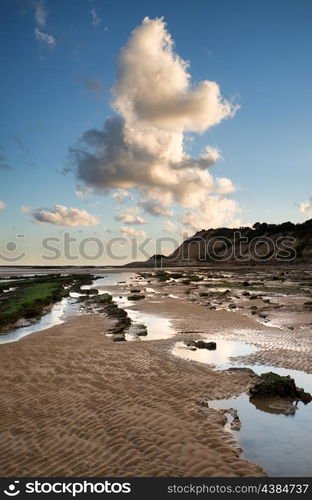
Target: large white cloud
143	147
63	216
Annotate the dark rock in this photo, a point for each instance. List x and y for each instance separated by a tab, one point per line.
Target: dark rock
202	402
141	330
271	384
201	344
136	297
119	338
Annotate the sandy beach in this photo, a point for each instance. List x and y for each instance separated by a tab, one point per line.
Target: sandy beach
76	403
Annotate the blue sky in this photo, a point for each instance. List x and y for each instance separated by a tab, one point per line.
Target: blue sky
53	90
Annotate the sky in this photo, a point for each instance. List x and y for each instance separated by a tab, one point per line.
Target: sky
128	125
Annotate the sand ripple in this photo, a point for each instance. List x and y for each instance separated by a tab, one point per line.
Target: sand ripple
77	404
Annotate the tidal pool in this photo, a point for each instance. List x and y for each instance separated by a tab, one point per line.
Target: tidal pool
280	443
54	317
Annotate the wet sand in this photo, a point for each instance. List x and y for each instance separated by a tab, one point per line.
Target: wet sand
77	404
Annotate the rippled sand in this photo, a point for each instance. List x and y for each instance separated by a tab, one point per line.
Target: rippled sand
75	403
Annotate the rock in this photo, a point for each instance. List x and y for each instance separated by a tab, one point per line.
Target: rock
305	397
21	323
246	294
142	331
201	344
136	297
119	338
271	384
232	306
202	402
236	423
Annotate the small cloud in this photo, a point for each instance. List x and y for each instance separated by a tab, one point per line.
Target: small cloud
95	17
170	227
306	207
63	216
2	205
130	232
45	38
130	216
25	210
40	33
40	13
120	195
156	208
83	192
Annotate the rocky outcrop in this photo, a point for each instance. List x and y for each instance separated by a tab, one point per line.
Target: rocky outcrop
271	384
